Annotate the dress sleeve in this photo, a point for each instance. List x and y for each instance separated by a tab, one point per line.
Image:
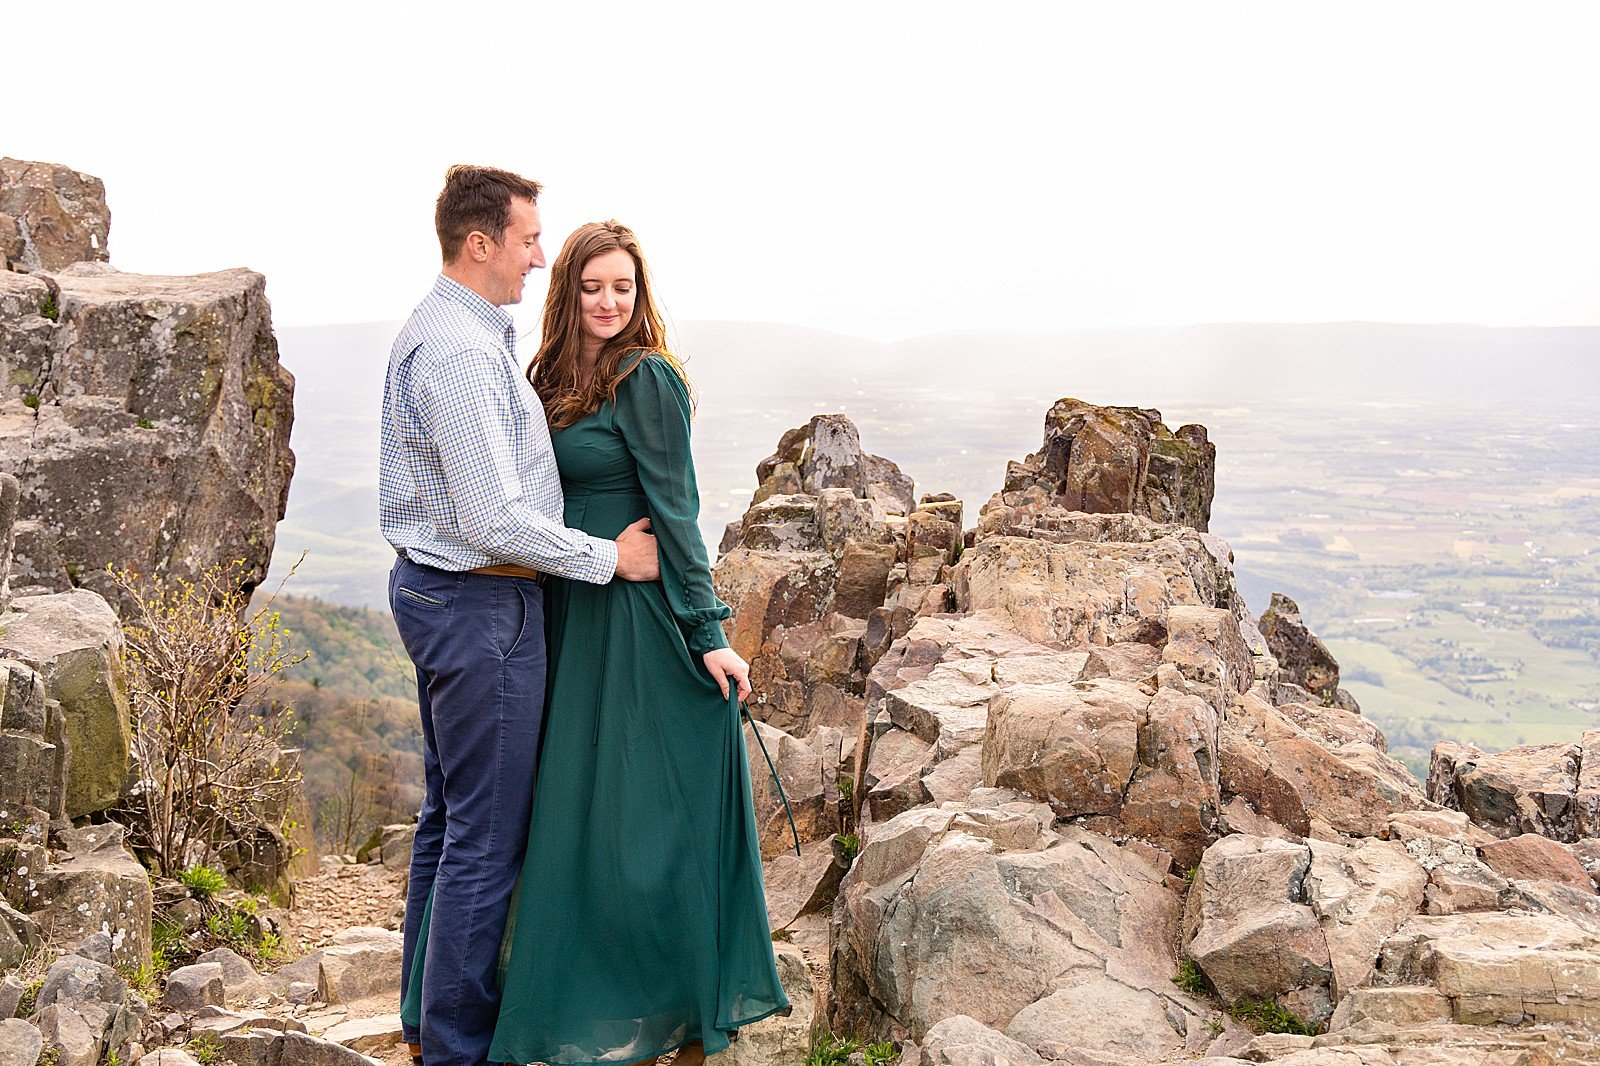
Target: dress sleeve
653	416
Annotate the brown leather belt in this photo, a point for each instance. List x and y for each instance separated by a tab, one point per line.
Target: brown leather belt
510	570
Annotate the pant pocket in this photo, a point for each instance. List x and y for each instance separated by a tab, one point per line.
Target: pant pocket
511	618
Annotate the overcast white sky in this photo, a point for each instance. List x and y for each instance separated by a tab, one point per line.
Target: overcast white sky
881	169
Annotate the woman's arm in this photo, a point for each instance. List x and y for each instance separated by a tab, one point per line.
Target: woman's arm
653	416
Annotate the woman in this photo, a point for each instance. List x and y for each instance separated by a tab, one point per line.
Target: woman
639	924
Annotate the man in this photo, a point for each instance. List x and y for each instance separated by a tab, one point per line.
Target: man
471	501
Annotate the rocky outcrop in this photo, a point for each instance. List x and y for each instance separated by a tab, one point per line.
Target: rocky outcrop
50	217
831	563
1073	710
147	419
1301	655
1109	460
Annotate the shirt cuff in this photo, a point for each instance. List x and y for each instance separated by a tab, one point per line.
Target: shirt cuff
605	560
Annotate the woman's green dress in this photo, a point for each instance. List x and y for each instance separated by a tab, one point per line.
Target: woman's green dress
639	922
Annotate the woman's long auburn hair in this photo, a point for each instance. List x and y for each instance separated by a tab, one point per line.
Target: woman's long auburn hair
554	372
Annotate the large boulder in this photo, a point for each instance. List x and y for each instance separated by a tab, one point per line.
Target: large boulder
1361	894
51	216
97	886
1092	590
1305	782
1528	789
1508	968
74	641
1250	928
148	423
1073	745
980	909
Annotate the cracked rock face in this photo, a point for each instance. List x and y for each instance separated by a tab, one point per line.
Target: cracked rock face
147	420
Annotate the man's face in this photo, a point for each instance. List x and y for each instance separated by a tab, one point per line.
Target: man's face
516	254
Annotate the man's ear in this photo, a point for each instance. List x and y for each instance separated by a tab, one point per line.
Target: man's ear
478	246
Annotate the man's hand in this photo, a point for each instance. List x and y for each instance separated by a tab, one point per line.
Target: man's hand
724	664
636	553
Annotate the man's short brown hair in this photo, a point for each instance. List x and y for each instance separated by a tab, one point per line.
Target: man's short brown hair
477	198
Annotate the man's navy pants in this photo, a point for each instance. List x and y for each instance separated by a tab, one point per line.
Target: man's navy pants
477	641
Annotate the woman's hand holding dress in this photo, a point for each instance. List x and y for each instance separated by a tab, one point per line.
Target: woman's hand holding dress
724	664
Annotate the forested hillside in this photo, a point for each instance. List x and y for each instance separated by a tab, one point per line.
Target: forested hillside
356	723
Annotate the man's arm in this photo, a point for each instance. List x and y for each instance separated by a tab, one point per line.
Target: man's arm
468	415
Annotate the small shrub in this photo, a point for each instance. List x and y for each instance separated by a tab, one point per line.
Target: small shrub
1268	1017
201	661
166	936
31	400
203	882
145	423
144	979
1191	979
206	1049
1188	877
880	1054
849	845
49	308
30	998
847	789
826	1051
50	1055
231	925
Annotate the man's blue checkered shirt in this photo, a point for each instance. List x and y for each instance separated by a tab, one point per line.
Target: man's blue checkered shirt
466	476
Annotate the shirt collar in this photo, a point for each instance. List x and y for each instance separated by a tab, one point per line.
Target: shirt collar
496	318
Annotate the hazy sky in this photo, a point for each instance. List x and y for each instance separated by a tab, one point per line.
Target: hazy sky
882	169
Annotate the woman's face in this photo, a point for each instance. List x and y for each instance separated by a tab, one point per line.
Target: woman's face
606	293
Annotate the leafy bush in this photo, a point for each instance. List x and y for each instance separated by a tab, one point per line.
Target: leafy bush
203	882
849	844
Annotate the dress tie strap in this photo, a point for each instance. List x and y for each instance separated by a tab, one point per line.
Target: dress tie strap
733	701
